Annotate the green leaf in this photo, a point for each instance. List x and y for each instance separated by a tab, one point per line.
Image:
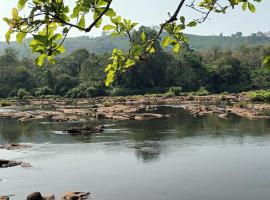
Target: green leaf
8	34
192	24
81	23
110	77
21	4
61	49
183	20
176	48
251	7
41	38
108	27
143	36
20	36
244	6
40	60
166	41
15	13
266	62
130	63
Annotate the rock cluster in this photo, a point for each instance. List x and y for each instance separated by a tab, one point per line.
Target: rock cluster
66	196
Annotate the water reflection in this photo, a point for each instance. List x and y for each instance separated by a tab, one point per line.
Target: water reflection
175	158
145	136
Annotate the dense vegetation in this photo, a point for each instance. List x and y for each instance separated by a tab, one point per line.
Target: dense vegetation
81	74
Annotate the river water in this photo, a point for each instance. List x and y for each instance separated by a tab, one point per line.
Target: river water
166	159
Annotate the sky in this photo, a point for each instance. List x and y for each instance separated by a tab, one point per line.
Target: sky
154	12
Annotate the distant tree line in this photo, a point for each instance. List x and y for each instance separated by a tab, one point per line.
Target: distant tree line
81	74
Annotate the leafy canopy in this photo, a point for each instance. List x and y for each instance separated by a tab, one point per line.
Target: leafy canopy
50	21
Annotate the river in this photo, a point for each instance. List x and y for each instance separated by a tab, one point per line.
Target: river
175	158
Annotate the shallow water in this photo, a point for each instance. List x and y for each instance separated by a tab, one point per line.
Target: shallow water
175	158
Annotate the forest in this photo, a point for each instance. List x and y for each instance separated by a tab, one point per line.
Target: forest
80	74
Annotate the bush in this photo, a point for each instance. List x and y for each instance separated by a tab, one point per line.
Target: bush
85	92
94	92
22	93
76	93
175	90
202	92
260	96
43	91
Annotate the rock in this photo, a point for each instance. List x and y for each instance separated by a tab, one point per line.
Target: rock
11	163
34	196
85	130
76	196
4	198
13	146
65	118
26	165
49	197
223	116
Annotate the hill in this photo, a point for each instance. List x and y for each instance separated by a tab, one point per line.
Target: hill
106	43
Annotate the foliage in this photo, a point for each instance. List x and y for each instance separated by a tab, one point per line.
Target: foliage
261	95
50	21
81	74
201	92
175	90
22	93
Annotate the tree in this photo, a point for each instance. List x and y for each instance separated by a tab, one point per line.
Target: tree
49	22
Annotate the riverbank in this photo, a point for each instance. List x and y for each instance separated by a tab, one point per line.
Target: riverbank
133	107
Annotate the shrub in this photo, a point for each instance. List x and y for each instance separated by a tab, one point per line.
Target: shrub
175	90
22	93
94	92
76	93
260	96
202	92
43	91
119	92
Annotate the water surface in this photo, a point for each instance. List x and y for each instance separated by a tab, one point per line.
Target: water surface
166	159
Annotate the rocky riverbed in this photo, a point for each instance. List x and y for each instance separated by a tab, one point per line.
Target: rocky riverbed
134	108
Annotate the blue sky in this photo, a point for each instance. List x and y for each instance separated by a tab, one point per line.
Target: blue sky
153	12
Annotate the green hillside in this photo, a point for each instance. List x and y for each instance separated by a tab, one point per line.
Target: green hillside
106	43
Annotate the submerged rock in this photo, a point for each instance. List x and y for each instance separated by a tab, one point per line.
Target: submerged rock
14	146
85	130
